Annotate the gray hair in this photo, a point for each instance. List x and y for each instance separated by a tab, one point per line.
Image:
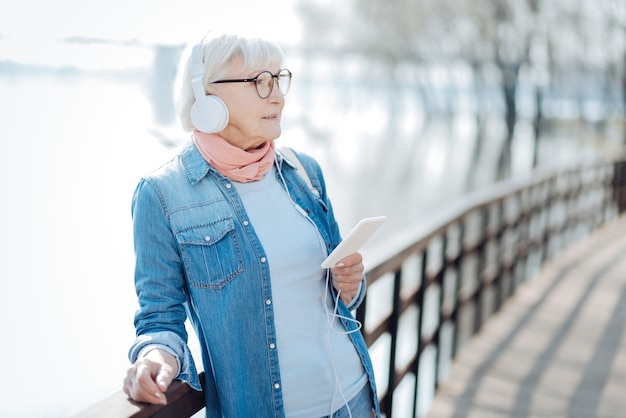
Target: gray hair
218	53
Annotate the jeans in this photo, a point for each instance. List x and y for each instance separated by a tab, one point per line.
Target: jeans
361	406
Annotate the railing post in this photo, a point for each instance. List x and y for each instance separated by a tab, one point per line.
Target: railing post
481	256
441	281
420	323
393	329
619	185
499	229
458	262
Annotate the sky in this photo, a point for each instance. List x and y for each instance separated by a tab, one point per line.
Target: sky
154	21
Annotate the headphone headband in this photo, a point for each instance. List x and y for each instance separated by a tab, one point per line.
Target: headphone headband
196	70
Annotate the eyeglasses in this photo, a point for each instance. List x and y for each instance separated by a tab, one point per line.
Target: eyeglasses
264	82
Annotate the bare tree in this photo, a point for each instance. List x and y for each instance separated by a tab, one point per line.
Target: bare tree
555	47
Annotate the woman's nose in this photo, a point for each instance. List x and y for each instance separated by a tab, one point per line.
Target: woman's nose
276	95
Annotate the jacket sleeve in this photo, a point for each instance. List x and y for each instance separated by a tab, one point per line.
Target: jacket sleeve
159	282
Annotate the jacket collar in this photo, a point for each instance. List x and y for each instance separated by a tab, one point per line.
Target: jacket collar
193	162
280	158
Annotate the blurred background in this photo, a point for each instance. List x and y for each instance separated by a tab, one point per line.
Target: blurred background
408	105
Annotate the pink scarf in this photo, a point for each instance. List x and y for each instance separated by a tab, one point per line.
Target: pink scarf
233	162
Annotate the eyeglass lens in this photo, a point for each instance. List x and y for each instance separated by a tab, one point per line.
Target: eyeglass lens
265	83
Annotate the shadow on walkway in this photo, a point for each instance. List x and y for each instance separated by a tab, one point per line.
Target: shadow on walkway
557	348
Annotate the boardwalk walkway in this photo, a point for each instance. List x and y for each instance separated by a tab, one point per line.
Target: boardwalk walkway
557	348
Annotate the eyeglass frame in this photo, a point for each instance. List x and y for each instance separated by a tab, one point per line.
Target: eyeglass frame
256	78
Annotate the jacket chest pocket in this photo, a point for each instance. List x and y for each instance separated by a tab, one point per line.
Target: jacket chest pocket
211	254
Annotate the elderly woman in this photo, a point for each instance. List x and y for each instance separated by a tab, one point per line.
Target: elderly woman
229	235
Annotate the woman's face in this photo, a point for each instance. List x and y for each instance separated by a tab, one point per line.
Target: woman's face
253	120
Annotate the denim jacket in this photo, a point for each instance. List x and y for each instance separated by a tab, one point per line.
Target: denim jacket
198	257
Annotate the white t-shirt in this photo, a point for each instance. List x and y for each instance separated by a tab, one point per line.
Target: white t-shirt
320	368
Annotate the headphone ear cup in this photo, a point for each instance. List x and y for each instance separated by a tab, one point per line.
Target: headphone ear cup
209	114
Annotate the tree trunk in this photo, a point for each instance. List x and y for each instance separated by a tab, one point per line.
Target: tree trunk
509	88
480	129
624	93
537	124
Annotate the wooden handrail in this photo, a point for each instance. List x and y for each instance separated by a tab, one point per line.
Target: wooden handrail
182	401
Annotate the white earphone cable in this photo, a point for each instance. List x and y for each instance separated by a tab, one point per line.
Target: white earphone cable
331	316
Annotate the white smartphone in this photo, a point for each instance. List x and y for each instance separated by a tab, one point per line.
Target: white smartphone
354	240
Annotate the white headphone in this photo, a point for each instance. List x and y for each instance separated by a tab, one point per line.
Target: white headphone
209	113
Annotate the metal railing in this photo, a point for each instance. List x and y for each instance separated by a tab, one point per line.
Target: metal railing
432	287
446	277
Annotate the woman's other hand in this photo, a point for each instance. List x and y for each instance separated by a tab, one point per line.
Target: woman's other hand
347	276
149	377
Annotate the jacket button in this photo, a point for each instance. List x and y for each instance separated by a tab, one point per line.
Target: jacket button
263	259
276	386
